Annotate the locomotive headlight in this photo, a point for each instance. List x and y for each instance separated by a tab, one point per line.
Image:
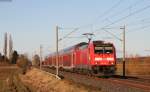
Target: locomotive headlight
110	59
97	59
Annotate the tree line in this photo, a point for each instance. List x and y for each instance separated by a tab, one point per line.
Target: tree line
21	60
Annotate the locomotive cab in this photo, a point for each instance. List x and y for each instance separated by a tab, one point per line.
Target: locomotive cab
103	57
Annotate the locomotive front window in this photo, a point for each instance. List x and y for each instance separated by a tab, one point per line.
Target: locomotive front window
99	50
108	50
103	49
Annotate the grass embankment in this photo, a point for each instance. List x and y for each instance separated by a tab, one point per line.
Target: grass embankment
44	82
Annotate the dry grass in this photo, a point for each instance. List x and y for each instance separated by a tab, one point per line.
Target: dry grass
9	80
5	74
44	82
136	66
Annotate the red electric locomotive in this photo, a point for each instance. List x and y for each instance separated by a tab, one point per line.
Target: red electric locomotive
96	56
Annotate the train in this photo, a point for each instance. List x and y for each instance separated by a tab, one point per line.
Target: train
95	57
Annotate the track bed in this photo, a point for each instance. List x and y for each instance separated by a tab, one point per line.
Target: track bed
106	84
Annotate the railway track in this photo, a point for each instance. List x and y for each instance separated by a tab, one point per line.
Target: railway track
111	84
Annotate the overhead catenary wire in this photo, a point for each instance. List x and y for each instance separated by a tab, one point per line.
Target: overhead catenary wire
128	31
134	30
122	18
132	13
101	15
69	43
114	22
68	34
137	29
141	21
75	37
106	12
137	11
118	13
112	35
109	10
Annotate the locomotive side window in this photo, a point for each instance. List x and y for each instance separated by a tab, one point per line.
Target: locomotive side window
108	50
99	49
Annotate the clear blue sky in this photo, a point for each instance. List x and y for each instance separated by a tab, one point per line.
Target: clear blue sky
32	22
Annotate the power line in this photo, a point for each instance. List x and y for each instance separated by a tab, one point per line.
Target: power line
106	12
109	10
137	23
141	21
137	29
133	13
122	11
134	30
68	34
75	37
112	35
66	28
143	27
68	42
134	4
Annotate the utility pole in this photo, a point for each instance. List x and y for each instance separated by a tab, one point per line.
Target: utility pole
41	56
123	43
57	66
123	50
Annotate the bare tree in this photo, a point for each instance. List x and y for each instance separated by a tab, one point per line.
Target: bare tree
36	60
14	57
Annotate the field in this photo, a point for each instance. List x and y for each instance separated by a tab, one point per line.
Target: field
135	67
9	80
5	75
